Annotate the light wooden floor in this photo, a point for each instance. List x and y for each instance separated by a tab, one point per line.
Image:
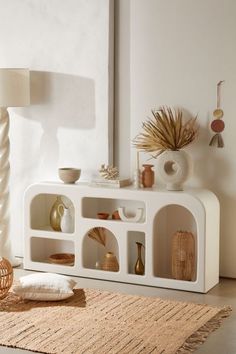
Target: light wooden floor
222	341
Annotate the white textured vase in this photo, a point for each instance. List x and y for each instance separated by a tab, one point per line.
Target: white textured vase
174	168
67	222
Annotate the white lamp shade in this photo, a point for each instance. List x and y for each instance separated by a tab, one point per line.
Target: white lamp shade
14	87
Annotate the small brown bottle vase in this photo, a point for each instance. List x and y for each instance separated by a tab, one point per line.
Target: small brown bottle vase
147	176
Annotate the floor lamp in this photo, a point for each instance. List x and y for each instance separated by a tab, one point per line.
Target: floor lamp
14	92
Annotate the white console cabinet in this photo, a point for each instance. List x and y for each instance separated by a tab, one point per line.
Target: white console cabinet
164	212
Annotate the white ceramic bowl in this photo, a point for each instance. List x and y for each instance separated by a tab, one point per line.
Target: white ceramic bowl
69	174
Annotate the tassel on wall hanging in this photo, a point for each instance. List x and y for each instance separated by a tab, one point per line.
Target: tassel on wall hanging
218	125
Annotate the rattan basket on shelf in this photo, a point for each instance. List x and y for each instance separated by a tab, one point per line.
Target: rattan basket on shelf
6	277
110	263
183	256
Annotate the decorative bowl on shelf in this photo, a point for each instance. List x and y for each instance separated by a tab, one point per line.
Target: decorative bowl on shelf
103	216
69	174
62	258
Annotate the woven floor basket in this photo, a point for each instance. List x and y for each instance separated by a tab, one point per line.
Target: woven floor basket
6	277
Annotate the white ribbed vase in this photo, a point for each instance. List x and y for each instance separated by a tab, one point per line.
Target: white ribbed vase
174	168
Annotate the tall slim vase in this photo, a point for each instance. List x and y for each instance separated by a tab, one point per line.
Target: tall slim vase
139	266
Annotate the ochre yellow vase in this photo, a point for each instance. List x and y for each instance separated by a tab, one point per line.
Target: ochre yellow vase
55	215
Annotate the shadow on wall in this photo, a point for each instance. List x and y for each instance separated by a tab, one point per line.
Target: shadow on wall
61	100
58	101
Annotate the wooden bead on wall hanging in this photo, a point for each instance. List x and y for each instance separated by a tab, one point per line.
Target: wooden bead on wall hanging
218	125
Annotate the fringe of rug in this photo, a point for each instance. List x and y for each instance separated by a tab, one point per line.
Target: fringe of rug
200	336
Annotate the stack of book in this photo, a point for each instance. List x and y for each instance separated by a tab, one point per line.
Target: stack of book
111	183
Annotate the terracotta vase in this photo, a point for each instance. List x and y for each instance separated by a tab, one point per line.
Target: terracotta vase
110	263
147	176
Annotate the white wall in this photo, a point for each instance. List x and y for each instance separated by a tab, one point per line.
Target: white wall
174	53
67	46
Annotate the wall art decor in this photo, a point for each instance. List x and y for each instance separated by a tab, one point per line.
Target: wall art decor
218	125
68	47
164	136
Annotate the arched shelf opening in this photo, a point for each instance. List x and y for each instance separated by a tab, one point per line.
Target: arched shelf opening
167	222
97	242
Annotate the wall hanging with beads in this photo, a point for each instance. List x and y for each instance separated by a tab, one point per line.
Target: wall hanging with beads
218	125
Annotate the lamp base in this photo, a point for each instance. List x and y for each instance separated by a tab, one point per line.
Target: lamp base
5	243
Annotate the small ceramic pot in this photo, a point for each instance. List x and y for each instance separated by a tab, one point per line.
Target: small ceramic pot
103	216
69	175
116	215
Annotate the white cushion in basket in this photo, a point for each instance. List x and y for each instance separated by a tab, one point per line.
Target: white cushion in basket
45	287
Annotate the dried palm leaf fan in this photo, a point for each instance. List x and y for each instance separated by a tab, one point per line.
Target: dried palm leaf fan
98	234
6	277
166	130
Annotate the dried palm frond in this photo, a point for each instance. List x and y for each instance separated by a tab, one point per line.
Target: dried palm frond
98	234
166	131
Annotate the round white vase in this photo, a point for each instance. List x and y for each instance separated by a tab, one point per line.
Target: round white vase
174	168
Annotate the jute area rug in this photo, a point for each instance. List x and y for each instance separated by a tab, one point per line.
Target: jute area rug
99	322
